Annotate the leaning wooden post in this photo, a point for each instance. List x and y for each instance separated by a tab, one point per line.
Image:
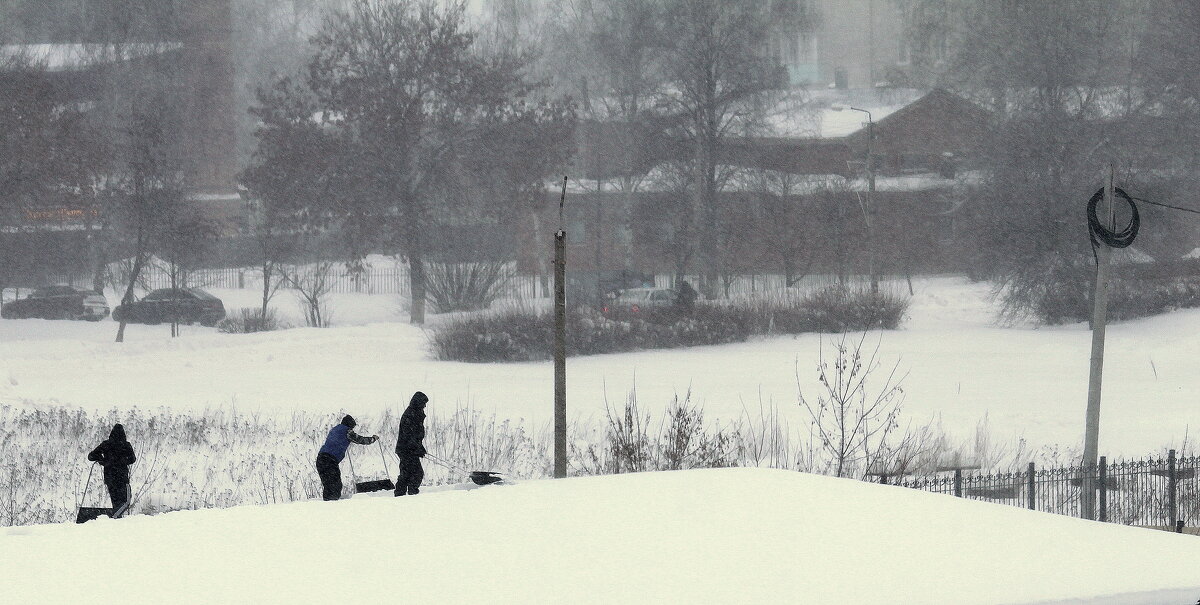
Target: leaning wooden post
560	341
958	482
1091	433
1172	488
1032	499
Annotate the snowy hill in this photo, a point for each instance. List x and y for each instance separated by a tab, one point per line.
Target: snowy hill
710	536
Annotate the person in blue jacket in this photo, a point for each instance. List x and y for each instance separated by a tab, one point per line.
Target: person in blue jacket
331	454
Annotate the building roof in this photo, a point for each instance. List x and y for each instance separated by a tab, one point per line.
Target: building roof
802	134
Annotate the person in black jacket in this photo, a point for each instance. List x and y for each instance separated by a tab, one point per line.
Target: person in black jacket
685	297
115	454
331	454
409	447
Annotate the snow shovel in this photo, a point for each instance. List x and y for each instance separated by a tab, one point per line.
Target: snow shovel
477	477
87	513
376	485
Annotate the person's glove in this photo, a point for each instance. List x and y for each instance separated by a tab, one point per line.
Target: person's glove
374	438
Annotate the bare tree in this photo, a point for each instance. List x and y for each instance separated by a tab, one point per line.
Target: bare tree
182	243
853	416
716	67
151	192
401	80
27	124
313	283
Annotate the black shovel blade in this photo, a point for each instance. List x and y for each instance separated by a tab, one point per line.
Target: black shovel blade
87	513
485	477
374	486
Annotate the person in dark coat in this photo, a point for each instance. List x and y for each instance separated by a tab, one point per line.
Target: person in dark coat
115	454
330	457
408	446
686	296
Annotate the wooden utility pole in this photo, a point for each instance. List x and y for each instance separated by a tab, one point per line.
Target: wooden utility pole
560	341
1091	433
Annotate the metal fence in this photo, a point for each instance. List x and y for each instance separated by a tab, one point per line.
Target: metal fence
395	280
374	280
1153	492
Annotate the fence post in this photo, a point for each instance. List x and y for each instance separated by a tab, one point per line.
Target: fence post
1032	500
1172	486
241	280
1103	488
958	482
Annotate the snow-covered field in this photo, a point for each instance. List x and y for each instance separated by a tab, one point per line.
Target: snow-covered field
727	536
707	536
1030	383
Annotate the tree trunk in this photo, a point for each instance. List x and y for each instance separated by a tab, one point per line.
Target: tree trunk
539	260
416	284
138	261
267	270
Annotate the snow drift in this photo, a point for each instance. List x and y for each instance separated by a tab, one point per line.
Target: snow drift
706	536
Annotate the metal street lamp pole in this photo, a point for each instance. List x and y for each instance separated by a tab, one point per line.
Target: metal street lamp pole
870	195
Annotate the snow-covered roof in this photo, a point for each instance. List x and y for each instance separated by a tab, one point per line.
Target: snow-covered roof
817	114
74	57
658	180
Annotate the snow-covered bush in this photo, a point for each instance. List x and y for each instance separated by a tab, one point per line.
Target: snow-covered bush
245	321
1129	298
525	334
464	286
839	309
683	440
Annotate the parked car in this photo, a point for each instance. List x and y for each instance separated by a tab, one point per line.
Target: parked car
636	300
185	305
58	302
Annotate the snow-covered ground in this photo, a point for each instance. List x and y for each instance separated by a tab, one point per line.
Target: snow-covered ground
1030	383
708	536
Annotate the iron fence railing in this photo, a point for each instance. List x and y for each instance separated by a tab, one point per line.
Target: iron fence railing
375	280
1159	492
395	280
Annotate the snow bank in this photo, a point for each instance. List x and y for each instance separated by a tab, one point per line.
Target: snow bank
711	536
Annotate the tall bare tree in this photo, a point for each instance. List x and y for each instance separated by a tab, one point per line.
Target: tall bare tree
717	66
404	90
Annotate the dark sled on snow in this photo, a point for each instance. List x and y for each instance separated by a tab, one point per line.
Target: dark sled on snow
87	513
377	485
485	477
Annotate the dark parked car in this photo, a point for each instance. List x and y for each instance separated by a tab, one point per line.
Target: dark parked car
58	302
636	300
186	305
